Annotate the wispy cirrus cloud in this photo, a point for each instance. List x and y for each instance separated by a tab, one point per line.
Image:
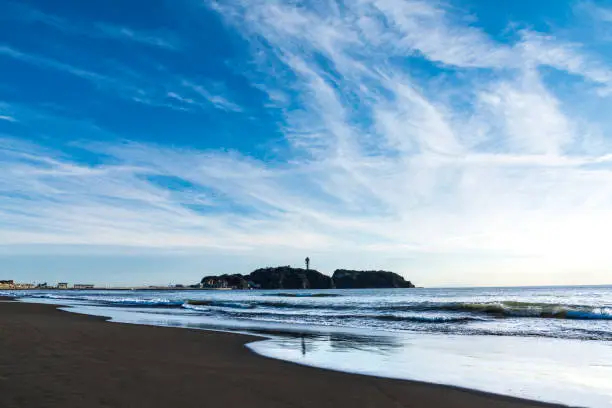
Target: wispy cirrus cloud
93	29
159	89
478	157
193	94
165	41
597	12
51	63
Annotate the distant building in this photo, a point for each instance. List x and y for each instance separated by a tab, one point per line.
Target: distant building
214	283
7	284
10	284
83	286
62	285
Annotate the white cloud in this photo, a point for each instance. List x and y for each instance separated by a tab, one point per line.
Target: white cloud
428	29
537	49
8	118
529	115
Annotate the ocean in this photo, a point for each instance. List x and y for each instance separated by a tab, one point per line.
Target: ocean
550	344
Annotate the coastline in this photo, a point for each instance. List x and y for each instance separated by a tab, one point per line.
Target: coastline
51	358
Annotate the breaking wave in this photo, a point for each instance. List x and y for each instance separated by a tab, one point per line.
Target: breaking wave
529	309
195	304
488	309
112	301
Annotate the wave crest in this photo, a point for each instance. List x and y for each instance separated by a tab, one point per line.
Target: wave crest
534	310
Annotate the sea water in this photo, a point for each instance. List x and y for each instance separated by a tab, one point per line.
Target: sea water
547	343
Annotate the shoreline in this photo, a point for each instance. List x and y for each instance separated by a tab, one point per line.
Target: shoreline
52	358
135	288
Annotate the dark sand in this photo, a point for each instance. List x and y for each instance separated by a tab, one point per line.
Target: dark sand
50	358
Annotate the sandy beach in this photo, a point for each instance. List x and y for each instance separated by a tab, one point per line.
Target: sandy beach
51	358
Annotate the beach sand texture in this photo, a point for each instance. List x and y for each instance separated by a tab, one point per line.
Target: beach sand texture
51	358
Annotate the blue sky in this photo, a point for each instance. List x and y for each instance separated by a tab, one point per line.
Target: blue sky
456	142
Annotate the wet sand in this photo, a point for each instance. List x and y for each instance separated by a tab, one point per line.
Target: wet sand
50	358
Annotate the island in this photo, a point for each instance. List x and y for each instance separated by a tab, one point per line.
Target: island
286	277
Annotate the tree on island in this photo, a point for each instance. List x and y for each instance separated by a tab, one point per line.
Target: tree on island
307	263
